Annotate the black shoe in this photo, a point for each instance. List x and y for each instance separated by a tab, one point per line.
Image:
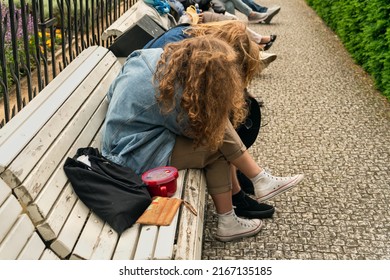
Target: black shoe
245	206
245	183
269	44
273	11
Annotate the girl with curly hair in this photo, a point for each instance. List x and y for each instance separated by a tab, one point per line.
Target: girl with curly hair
180	106
237	35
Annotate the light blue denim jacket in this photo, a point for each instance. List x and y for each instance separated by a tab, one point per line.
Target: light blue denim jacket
135	133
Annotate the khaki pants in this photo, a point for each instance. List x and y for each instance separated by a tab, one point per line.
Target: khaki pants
215	164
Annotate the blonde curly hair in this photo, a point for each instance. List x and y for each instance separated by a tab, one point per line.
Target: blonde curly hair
236	35
205	69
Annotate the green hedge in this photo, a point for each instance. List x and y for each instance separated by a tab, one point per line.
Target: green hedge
364	28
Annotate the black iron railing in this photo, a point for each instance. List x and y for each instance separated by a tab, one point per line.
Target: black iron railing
39	38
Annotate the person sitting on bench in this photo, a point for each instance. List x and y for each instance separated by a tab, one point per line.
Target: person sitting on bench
179	107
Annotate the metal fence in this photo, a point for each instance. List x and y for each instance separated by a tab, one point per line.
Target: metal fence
39	38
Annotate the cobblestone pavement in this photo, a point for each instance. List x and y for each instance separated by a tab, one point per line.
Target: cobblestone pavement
324	118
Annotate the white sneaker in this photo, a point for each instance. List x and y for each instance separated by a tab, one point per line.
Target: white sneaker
256	17
230	16
273	11
267	58
231	227
267	186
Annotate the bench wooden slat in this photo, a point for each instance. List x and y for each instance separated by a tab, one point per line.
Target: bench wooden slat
67	238
10	149
146	243
9	213
50	227
105	247
49	255
127	244
88	238
166	236
189	240
17	237
34	248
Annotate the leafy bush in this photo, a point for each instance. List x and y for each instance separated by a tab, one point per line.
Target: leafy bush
364	28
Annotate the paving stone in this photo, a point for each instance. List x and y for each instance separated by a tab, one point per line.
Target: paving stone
322	116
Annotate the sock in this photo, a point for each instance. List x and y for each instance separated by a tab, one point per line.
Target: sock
229	213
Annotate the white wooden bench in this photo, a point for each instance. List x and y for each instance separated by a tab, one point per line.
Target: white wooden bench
18	237
44	217
131	16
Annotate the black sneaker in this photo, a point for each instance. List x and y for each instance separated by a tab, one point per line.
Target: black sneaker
245	206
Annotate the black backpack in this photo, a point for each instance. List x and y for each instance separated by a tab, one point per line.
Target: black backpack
248	133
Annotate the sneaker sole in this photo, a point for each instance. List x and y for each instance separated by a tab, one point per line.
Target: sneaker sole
282	189
255	214
241	235
257	20
270	16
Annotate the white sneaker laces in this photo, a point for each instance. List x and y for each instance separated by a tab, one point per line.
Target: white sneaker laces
244	222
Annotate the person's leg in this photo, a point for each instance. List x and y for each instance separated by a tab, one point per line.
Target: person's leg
229	7
230	226
218	180
244	205
212	17
254	6
253	17
237	4
223	202
265	185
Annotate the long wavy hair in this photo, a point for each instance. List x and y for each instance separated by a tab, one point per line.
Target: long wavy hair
235	34
206	70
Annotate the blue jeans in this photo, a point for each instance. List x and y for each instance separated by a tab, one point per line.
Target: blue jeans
231	5
255	7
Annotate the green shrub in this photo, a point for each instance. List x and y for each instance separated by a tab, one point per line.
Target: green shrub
364	28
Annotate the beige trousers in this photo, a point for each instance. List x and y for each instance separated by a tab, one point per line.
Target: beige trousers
215	164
